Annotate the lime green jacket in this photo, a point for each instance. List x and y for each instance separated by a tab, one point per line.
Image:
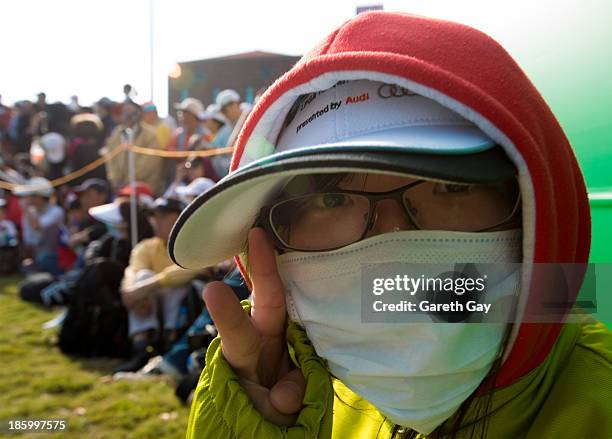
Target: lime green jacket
569	395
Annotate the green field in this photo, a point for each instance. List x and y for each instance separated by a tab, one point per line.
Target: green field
38	381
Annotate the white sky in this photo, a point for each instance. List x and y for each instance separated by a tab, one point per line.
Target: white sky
92	47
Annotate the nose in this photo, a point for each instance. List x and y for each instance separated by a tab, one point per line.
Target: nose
389	216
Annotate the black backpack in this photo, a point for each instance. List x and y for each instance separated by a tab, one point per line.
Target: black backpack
97	321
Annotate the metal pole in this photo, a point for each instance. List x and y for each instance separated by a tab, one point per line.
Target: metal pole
151	43
129	135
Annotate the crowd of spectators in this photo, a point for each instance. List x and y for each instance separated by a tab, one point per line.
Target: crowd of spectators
89	233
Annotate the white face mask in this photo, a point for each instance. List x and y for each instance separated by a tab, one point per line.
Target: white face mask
416	374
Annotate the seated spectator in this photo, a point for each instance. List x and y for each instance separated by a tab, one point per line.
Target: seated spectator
132	130
198	186
41	222
193	168
114	245
9	242
151	280
91	193
185	359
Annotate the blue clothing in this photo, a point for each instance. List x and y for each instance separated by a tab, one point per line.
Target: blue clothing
180	350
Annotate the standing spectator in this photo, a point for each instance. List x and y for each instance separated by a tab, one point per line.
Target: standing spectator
129	93
104	110
87	132
148	168
41	222
162	129
152	279
53	118
20	134
41	102
212	120
74	106
5	120
189	133
188	114
228	101
51	147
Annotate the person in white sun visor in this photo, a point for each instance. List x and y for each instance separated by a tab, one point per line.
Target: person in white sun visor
412	150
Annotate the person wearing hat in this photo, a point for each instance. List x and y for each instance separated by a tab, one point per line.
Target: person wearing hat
410	142
228	103
48	153
188	113
104	110
91	193
150	280
41	222
162	129
213	120
197	186
86	139
194	168
148	168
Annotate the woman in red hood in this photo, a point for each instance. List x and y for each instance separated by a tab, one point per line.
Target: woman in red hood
400	152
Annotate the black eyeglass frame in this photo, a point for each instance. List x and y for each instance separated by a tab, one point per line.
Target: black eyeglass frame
265	213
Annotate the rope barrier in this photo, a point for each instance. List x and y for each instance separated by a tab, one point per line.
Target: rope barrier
115	152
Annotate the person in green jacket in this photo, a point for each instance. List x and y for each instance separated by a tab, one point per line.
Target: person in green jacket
400	147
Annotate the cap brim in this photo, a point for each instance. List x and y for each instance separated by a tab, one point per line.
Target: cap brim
184	191
214	226
107	213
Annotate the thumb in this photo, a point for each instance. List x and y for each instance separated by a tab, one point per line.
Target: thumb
287	395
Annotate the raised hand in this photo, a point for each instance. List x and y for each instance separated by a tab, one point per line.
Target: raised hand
255	345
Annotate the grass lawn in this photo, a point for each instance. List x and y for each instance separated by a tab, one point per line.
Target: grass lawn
38	381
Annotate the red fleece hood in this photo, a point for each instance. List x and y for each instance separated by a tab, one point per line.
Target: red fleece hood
469	72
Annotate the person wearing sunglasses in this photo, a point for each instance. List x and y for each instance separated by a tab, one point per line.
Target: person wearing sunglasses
397	140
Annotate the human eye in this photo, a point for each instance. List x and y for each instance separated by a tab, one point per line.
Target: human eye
452	188
330	201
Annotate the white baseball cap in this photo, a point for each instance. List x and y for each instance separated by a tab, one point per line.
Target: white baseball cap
354	126
34	186
51	145
109	213
196	187
226	97
192	105
213	112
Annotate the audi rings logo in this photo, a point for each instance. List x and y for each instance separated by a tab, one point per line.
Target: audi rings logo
387	91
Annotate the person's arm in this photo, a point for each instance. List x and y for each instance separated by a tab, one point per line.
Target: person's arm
31	216
172	276
42	221
133	295
139	260
79	238
87	235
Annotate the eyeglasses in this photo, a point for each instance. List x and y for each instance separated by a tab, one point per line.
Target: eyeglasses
333	219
